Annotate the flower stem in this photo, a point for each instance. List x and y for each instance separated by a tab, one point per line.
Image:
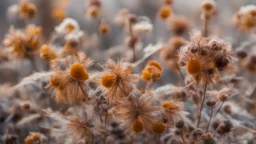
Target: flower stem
158	139
201	106
218	109
205	33
133	46
182	136
207	128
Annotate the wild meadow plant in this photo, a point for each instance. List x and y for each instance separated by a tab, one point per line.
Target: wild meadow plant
173	78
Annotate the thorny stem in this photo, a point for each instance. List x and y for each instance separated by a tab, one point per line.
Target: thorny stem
202	104
133	47
207	128
218	109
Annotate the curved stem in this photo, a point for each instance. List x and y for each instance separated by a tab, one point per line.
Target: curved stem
201	106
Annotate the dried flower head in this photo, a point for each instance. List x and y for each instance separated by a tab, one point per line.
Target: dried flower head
24	43
93	11
27	10
245	17
224	128
118	80
67	26
164	12
139	110
179	25
206	58
69	84
173	109
153	71
158	127
47	53
34	137
208	8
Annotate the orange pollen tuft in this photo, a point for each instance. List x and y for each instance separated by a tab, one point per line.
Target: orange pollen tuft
194	66
108	80
78	72
158	128
137	126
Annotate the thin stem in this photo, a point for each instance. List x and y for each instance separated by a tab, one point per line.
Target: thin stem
201	106
133	46
85	94
209	123
218	109
182	137
158	139
132	138
205	33
177	66
105	128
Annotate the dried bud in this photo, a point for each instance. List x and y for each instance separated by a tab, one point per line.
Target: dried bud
210	103
228	109
225	127
180	124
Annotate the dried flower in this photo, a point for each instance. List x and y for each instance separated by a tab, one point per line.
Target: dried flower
137	126
123	80
206	58
164	12
139	110
46	53
152	71
158	127
67	26
69	85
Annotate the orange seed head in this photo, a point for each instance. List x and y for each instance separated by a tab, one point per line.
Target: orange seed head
138	126
158	128
108	80
194	66
78	72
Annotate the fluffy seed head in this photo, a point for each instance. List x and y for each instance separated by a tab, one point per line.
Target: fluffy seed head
137	126
78	72
108	80
158	127
194	66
